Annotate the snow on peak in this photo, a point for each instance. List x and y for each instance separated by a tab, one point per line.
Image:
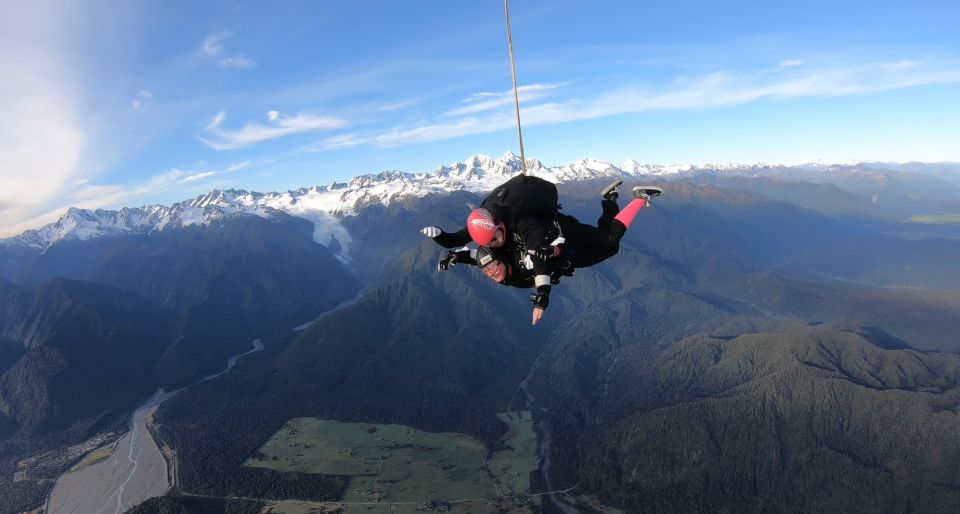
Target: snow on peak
325	206
481	168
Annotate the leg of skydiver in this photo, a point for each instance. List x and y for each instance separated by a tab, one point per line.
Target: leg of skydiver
610	210
596	244
641	198
608	203
626	215
588	245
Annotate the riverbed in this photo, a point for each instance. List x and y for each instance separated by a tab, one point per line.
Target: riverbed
545	441
135	472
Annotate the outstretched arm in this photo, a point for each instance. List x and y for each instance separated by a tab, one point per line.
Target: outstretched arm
537	314
447	239
541	300
451	259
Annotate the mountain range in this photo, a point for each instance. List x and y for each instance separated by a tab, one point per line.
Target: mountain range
853	188
768	338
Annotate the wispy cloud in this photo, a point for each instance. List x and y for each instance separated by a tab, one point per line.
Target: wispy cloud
480	102
207	174
42	139
211	43
19	225
213	47
238	61
84	195
279	126
199	176
338	141
142	96
795	79
394	106
90	195
96	196
794	62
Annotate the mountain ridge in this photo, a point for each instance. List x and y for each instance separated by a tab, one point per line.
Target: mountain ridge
327	205
696	274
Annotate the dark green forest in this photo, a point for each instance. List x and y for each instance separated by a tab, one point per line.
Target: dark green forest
746	351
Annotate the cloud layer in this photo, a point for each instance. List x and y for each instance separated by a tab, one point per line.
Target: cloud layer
41	140
547	104
97	103
278	126
212	47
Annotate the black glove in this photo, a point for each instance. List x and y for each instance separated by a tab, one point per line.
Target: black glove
447	261
546	252
541	298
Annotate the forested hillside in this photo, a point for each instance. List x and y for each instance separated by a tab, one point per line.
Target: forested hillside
698	370
742	350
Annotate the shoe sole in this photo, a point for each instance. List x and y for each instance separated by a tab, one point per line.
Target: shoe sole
611	188
646	191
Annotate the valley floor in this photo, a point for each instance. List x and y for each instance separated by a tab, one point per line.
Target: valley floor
135	470
400	468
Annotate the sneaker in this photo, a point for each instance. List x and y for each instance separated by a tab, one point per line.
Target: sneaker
646	192
611	192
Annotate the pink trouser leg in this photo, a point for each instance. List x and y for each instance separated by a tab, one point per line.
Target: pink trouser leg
627	213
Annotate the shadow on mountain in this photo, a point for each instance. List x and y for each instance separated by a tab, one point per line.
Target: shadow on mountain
441	353
697	345
76	353
76	357
744	352
809	419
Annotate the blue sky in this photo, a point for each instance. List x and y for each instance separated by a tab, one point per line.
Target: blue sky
116	103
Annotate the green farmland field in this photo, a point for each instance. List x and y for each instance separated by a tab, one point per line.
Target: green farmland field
937	219
396	463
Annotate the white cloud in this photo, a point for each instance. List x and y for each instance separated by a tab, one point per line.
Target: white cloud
211	43
238	61
338	141
458	128
485	101
96	196
19	225
161	181
41	139
205	174
394	106
279	126
142	96
432	132
717	89
199	176
93	193
213	47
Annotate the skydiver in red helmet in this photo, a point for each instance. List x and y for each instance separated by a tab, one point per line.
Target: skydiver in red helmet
585	246
520	259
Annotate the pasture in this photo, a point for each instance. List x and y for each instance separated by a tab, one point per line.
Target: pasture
403	466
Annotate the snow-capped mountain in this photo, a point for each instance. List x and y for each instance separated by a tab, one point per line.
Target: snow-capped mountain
325	206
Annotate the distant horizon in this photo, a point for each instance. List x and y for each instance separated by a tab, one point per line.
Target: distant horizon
146	102
55	216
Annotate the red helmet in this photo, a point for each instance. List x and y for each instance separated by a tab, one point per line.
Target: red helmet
482	226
